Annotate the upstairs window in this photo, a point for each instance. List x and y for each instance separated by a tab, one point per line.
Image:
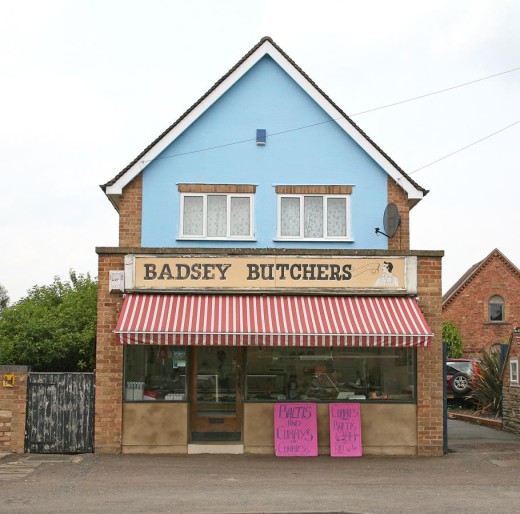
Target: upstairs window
310	213
216	212
496	308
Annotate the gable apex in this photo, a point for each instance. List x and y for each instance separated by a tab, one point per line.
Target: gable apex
265	47
473	271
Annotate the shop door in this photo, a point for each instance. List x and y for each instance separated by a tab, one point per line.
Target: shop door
216	408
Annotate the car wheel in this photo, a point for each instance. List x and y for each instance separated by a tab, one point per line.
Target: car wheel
460	383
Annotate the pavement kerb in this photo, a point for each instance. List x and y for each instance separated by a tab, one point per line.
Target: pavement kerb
487	422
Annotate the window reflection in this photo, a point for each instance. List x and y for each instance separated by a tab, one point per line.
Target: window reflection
155	373
326	374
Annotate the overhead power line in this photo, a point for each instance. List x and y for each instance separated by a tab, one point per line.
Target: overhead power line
244	140
303	127
433	92
464	147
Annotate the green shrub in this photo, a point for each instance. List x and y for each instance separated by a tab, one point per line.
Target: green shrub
53	328
451	337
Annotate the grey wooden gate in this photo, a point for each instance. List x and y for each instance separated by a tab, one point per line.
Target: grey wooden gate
60	413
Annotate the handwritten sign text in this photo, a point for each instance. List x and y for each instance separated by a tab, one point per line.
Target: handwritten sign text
345	430
295	430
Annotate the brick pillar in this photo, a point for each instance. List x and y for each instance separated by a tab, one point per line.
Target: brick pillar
109	361
401	240
13	405
429	360
130	213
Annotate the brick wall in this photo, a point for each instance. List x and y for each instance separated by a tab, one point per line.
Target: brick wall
511	401
13	404
429	360
401	240
130	213
468	308
109	361
109	367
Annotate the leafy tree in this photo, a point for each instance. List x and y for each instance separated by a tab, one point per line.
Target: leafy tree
451	336
53	328
487	383
4	298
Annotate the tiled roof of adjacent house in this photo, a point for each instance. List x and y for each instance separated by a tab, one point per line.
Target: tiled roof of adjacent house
262	41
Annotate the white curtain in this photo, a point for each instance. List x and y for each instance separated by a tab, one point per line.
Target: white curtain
313	217
240	219
290	217
193	216
217	216
337	217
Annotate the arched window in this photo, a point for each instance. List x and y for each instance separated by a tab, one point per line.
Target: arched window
496	308
496	348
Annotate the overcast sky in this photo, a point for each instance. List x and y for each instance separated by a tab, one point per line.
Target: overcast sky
86	85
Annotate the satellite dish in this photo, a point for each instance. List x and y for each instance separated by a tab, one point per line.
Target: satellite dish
391	221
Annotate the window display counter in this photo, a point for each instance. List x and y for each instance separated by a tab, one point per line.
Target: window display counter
266	387
330	374
155	373
216	389
174	389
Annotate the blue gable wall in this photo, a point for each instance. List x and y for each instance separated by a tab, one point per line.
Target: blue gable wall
265	97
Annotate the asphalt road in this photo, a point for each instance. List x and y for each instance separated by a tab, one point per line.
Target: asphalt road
481	474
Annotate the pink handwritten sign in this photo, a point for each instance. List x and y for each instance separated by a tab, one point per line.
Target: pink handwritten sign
295	430
345	430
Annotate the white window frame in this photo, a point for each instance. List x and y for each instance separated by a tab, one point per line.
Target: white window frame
228	236
513	372
279	236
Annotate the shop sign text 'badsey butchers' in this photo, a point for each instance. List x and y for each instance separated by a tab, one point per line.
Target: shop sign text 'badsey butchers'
262	272
254	272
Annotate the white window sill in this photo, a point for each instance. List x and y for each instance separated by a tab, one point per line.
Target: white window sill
195	238
313	240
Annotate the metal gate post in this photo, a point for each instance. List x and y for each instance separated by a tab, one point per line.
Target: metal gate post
444	401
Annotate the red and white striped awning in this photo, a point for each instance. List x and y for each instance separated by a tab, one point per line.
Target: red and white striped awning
228	320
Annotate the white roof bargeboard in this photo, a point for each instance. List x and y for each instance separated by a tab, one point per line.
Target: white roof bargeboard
266	46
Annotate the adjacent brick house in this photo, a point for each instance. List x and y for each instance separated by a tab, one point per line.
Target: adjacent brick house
485	303
253	277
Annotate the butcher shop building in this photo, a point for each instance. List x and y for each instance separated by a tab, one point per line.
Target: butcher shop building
264	271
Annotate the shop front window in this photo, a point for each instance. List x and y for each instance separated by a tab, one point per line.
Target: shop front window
330	374
155	373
